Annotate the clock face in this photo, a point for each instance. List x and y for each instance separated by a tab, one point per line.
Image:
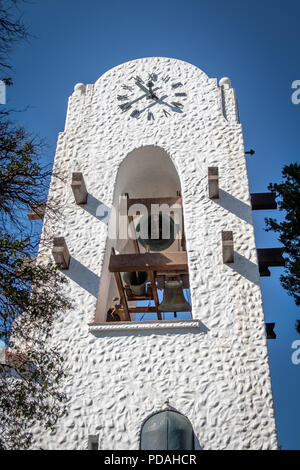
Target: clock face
152	97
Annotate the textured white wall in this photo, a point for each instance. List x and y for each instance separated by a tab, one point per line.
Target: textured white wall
217	374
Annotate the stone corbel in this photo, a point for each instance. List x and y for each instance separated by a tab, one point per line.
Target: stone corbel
270	330
60	252
79	188
227	247
213	182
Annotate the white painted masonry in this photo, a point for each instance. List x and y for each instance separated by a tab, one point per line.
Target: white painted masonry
214	370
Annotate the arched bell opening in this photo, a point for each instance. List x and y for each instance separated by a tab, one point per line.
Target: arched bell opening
145	263
167	430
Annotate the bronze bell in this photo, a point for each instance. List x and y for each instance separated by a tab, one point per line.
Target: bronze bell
136	281
174	300
156	231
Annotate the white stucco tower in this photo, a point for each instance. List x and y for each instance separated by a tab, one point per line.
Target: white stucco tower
158	130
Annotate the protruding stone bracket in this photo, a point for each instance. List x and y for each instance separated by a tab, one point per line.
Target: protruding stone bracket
37	211
270	330
262	201
227	247
269	257
60	252
79	188
213	182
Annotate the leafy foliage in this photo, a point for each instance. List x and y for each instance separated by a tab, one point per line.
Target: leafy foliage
288	193
31	298
12	30
23	180
29	387
31	294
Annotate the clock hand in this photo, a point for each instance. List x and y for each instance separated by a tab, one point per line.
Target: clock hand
142	87
158	100
148	91
152	95
126	106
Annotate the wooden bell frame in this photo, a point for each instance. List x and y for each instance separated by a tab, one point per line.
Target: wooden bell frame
160	265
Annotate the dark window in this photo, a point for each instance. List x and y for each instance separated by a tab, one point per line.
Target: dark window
93	443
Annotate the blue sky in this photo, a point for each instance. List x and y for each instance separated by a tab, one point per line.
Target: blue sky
255	43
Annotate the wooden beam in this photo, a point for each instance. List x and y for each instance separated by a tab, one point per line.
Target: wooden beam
37	211
120	286
262	201
270	330
263	270
123	300
155	296
269	257
147	202
213	182
131	224
139	309
227	247
133	298
79	188
60	252
149	262
183	243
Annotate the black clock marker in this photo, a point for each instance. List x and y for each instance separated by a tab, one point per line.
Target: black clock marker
125	106
122	97
153	76
176	85
138	79
150	116
166	78
178	105
166	113
126	87
180	94
135	113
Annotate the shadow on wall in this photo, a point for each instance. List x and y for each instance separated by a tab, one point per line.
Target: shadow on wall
235	206
83	276
245	268
97	208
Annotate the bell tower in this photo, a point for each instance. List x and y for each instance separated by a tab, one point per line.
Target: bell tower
156	239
